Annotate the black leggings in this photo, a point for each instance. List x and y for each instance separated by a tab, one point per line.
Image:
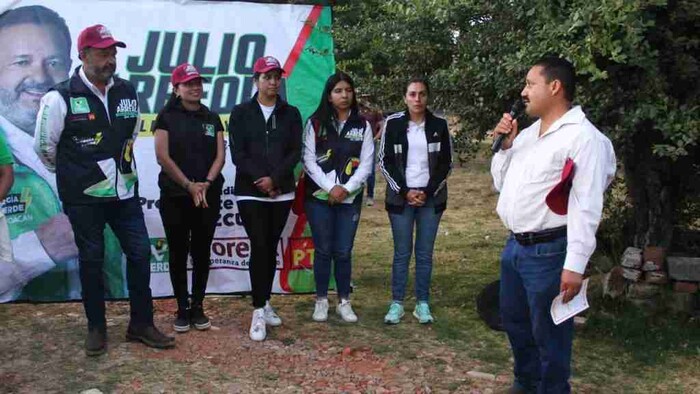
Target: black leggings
263	222
189	230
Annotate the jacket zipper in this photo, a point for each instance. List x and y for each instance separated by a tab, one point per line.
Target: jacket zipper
116	173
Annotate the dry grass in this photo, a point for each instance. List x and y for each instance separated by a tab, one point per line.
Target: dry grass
617	351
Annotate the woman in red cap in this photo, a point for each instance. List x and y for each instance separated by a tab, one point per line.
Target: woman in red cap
189	142
265	139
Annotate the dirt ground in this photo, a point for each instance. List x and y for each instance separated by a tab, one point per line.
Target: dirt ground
41	346
42	352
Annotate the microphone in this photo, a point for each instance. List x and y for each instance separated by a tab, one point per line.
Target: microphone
515	111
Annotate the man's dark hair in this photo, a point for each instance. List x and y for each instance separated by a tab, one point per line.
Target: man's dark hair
40	16
555	67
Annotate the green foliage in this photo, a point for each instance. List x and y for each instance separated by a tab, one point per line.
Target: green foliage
637	60
637	63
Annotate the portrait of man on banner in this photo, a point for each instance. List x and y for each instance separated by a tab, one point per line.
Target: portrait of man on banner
35	45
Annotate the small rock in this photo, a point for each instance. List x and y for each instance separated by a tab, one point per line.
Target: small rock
347	351
654	256
632	258
656	277
91	391
643	291
684	268
481	375
614	283
633	275
504	379
685	287
651	266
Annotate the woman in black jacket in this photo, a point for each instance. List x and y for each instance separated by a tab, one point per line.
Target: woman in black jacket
415	157
189	143
265	139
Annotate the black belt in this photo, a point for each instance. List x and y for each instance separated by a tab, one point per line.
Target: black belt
539	237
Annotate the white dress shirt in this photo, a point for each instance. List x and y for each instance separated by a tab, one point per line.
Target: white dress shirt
417	167
527	172
326	181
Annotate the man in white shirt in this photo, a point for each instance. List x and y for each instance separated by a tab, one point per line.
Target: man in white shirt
547	252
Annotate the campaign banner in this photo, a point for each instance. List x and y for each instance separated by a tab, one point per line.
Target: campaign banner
222	40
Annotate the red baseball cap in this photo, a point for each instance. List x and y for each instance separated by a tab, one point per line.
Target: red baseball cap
97	36
185	73
558	198
267	63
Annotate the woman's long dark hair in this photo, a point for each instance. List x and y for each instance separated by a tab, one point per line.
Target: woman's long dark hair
172	100
325	113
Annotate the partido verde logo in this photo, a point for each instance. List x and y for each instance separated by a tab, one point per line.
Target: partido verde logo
160	255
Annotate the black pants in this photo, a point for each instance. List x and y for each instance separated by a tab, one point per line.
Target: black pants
263	222
189	230
125	217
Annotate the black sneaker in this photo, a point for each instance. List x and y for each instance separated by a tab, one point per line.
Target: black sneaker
199	320
96	342
150	336
182	321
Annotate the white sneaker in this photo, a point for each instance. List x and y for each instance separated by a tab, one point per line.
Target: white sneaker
257	325
321	310
271	318
345	311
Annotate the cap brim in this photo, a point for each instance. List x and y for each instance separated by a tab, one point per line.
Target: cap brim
110	42
264	70
193	77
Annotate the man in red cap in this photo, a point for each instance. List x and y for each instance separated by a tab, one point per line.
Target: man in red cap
85	133
549	246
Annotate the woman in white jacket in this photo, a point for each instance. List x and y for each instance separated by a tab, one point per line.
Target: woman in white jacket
337	155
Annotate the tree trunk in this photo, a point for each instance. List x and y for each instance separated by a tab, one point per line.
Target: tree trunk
652	191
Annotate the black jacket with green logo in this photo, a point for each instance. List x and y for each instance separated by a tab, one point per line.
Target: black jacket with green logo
94	158
191	145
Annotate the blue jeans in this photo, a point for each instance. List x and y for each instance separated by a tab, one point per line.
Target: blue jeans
125	218
426	221
530	279
333	229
